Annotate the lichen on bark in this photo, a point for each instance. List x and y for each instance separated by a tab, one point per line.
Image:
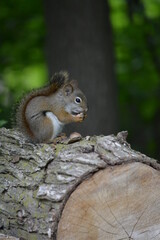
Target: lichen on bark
36	180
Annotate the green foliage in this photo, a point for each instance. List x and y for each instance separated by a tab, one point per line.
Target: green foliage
2	123
22	58
136	37
22	33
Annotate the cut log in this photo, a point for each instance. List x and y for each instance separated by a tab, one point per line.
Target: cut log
97	188
121	202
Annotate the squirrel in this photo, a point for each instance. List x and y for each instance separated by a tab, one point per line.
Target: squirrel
42	113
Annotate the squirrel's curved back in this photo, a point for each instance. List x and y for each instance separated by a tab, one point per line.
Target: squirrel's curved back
56	82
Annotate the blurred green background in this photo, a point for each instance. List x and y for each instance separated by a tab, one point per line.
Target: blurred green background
136	35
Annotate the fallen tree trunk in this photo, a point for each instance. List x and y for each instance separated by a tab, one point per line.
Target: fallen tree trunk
97	188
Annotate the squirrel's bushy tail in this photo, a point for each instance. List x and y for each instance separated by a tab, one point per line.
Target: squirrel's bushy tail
57	80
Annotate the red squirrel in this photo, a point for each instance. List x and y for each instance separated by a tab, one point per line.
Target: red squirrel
42	113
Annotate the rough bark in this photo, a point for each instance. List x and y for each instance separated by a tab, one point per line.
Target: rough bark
36	182
79	40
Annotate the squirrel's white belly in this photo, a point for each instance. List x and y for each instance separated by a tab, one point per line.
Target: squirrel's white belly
57	125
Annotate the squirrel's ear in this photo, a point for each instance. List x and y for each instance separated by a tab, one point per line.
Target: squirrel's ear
74	83
59	78
68	89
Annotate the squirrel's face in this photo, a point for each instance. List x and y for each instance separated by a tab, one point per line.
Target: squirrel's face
75	102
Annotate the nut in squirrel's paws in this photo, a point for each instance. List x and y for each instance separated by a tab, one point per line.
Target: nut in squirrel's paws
79	117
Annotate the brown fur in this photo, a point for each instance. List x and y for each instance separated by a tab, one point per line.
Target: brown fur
42	113
57	81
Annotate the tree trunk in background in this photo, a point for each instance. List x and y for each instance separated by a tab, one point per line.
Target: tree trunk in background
79	40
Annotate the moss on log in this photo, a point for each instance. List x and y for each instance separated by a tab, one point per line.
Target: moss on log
37	180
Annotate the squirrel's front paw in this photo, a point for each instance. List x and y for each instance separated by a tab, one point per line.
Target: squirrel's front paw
60	139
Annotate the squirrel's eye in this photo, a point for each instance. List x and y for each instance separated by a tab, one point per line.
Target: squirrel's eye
78	100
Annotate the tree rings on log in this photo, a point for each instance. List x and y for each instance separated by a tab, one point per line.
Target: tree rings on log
120	202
